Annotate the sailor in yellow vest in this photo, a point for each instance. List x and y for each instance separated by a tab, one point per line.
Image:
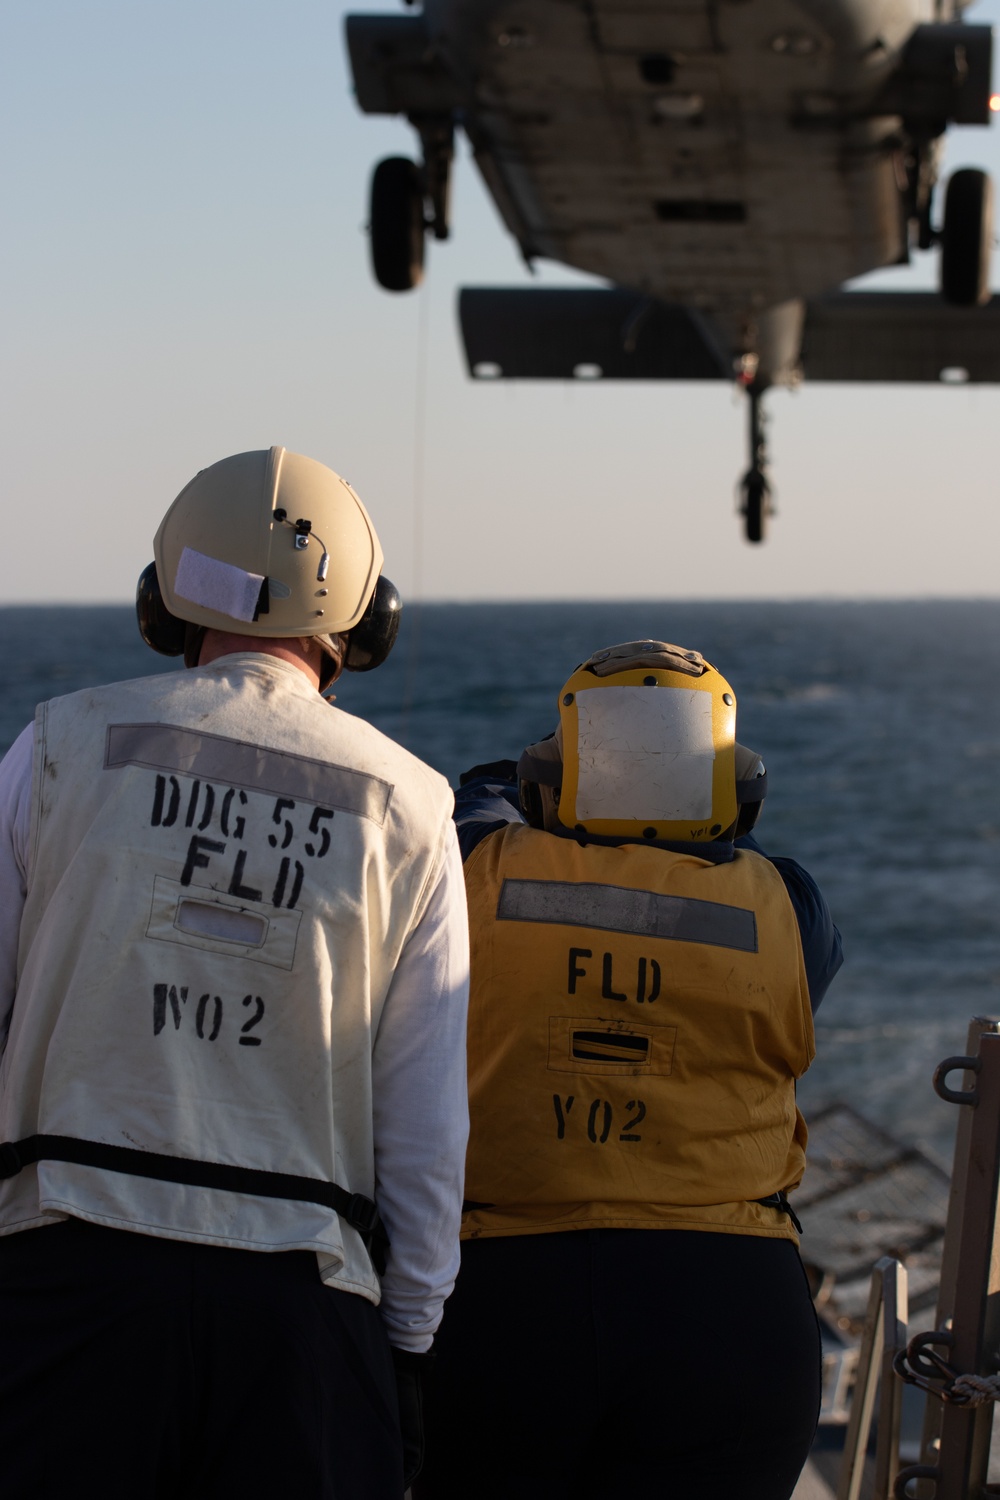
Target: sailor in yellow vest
640	1013
233	983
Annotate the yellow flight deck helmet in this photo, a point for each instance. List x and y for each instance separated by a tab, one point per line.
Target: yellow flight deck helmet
645	749
270	543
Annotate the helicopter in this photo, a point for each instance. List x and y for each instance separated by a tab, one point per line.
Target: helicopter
726	166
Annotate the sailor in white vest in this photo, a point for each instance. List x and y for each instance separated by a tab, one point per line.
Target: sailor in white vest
233	983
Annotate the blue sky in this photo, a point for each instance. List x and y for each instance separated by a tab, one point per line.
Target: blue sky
185	275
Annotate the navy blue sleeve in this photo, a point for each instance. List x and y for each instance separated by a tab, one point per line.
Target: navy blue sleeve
821	946
483	805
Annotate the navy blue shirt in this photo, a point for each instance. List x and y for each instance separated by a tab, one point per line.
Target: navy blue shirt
489	800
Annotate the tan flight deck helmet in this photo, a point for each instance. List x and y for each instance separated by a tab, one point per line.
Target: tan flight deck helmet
645	749
269	543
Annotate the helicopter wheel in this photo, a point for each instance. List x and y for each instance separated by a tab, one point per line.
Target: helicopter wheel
967	238
397	224
756	507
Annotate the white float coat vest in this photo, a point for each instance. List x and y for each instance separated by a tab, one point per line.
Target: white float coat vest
637	1021
224	871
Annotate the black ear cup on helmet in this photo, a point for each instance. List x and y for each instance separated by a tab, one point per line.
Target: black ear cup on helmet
374	636
530	798
157	626
750	796
368	644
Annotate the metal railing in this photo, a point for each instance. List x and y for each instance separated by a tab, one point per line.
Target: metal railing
884	1337
965	1341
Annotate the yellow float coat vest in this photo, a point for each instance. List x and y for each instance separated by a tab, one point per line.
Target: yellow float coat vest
637	1023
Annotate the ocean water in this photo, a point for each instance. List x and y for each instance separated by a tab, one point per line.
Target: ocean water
880	727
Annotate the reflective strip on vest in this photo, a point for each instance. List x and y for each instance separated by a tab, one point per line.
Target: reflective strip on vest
620	909
215	757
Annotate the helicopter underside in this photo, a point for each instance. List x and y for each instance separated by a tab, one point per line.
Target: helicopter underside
697	154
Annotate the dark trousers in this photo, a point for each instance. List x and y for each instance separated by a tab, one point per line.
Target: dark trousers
136	1368
615	1364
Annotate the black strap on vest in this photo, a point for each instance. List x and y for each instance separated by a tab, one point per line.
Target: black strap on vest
779	1200
776	1200
354	1208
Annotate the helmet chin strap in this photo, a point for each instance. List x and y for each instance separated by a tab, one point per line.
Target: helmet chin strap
194	636
332	663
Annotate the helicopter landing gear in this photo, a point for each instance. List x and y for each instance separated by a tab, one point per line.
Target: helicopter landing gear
396	224
756	507
967	238
437	141
401	195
